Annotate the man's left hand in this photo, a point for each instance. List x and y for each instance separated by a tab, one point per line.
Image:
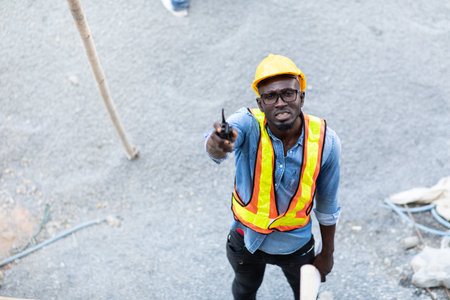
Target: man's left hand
324	263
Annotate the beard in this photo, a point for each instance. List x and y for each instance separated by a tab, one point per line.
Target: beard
284	127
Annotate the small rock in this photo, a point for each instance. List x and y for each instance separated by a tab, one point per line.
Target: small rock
113	221
410	242
356	228
74	80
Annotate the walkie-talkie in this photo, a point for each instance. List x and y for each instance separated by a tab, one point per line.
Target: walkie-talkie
226	131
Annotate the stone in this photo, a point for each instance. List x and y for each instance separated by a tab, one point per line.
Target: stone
74	80
113	221
356	228
410	242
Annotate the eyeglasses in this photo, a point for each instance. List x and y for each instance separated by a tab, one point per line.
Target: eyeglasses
287	95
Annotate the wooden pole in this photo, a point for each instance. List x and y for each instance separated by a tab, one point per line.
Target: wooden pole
85	33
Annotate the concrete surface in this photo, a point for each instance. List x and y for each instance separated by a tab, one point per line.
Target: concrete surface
377	71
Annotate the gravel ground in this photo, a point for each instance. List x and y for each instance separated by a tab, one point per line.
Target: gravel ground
377	71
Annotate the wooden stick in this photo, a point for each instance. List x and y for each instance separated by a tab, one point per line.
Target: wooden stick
431	294
85	33
414	222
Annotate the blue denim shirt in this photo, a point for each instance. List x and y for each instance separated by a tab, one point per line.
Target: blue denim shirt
286	181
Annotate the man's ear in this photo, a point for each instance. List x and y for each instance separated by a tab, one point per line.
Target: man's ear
302	98
258	100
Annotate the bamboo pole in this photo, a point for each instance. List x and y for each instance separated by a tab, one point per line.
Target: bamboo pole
91	52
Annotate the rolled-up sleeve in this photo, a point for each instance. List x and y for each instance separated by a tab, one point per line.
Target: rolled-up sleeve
327	219
326	210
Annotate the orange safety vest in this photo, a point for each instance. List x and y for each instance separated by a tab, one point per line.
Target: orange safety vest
260	213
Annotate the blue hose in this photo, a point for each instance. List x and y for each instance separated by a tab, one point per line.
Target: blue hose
417	209
43	244
439	218
406	218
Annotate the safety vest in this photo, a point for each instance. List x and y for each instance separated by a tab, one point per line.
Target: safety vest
260	213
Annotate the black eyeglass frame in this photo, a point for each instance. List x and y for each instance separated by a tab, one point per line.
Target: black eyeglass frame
279	95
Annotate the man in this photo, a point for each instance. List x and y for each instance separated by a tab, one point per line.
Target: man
284	160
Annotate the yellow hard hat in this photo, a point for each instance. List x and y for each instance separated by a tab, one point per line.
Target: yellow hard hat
274	65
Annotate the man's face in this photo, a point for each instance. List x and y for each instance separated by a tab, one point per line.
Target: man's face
281	115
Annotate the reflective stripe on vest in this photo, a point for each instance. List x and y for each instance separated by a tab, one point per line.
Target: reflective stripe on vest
260	214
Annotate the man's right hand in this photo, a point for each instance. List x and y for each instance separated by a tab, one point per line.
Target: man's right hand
218	147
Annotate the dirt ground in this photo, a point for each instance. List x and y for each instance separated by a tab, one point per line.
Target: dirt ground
378	72
16	227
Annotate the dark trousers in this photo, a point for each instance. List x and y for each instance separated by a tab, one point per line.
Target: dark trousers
249	268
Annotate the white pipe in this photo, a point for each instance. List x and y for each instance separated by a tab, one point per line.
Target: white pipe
309	282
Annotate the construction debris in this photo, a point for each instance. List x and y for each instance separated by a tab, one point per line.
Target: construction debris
438	194
432	268
432	265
